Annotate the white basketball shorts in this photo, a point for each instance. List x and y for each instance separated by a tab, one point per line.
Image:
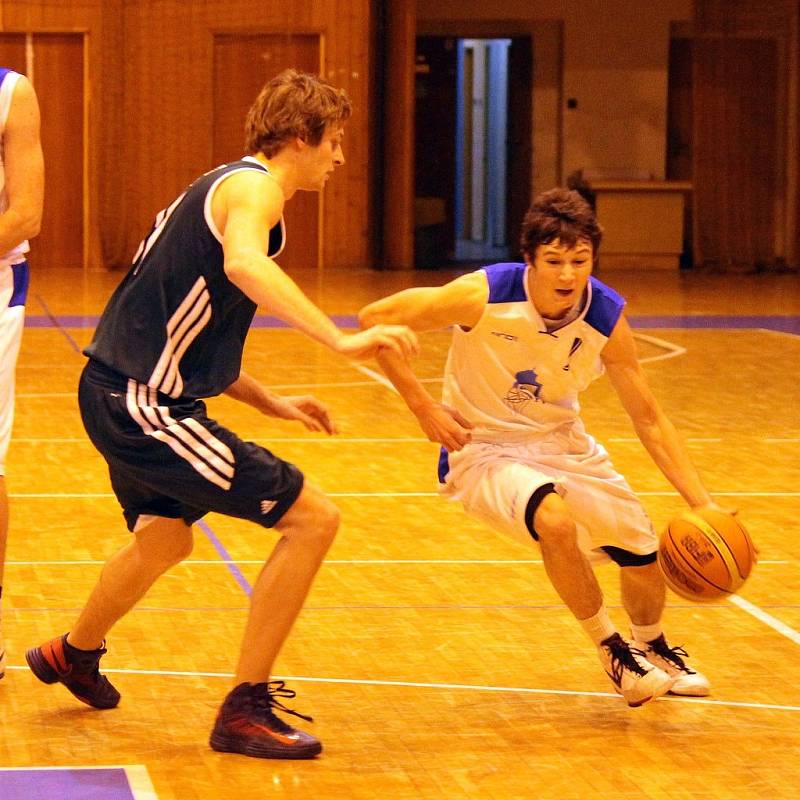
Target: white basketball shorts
13	291
494	482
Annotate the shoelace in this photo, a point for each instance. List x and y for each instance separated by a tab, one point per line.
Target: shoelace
267	701
622	657
673	654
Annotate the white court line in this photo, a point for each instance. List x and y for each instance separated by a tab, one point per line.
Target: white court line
30	395
672	349
253	438
364	439
767	619
448	686
52	495
635	440
138	777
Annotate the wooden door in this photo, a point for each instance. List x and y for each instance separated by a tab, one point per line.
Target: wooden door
57	76
242	65
735	152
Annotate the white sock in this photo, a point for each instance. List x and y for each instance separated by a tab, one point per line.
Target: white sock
599	626
647	633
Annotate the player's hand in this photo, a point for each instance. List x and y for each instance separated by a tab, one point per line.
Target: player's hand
399	339
445	425
712	506
303	408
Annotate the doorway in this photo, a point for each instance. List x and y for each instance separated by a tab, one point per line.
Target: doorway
472	145
54	63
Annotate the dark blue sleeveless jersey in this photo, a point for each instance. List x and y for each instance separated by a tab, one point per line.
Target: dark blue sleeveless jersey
176	323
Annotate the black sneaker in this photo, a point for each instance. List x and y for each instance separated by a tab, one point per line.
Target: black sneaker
246	724
57	662
633	676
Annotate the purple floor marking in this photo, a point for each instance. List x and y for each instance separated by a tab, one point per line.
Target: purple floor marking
220	548
785	324
103	783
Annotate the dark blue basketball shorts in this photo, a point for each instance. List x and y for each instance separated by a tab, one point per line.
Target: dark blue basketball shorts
166	458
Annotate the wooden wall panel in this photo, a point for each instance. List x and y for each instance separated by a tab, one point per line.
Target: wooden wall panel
169	101
748	52
58	76
150	82
242	64
101	21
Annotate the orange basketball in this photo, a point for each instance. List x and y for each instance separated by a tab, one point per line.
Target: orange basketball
705	555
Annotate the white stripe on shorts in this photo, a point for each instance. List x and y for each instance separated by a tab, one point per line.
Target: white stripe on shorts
206	454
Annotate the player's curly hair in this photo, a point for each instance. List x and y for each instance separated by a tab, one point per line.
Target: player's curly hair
293	105
559	214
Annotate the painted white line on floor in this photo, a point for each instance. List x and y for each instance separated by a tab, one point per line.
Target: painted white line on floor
51	495
672	349
278	439
447	686
767	619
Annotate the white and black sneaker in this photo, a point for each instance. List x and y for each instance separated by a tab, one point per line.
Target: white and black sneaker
688	682
633	676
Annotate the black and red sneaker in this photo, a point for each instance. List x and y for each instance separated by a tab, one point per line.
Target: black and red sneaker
58	662
246	724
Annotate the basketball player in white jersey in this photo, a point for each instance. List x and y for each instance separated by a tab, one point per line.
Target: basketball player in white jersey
173	333
527	339
21	197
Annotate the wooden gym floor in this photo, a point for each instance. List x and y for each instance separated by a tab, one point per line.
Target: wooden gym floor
433	653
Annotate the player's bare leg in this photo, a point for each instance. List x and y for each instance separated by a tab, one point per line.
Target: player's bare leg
307	531
246	722
574	580
127	577
73	659
566	566
643	593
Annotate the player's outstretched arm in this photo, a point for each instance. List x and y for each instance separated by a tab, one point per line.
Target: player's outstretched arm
24	169
654	429
460	302
246	206
302	408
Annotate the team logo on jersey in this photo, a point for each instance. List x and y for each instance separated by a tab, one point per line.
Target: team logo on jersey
267	506
526	388
576	343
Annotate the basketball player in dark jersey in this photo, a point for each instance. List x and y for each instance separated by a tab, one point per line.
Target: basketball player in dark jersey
173	333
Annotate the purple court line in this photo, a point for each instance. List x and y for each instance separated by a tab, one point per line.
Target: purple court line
53	322
220	548
782	324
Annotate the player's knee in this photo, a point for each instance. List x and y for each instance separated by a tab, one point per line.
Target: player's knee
177	548
552	521
328	523
164	551
318	524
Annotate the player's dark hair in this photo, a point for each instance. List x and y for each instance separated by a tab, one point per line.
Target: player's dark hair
559	214
293	105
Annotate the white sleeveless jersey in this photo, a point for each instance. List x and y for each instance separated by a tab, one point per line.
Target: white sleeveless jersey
8	80
511	377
